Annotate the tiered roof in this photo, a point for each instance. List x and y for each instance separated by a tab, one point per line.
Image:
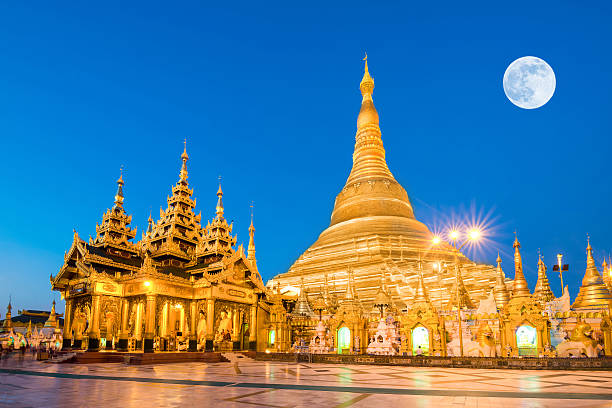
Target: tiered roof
176	246
175	236
114	234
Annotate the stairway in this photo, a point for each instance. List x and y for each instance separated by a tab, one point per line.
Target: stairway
62	358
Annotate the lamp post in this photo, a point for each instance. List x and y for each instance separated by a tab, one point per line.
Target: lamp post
472	236
560	267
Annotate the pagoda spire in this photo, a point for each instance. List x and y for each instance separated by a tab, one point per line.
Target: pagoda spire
119	195
217	237
8	323
177	232
302	306
520	287
606	273
114	231
382	299
51	321
542	290
593	293
350	287
251	247
500	290
184	157
460	291
219	209
370	169
421	293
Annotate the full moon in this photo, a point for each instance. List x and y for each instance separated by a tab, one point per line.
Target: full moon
529	82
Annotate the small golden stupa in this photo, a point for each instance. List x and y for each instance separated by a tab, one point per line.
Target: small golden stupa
593	293
542	290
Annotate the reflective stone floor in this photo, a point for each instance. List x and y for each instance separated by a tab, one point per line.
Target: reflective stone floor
248	383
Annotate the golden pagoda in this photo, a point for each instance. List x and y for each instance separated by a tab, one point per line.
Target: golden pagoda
500	291
593	293
606	272
542	290
519	287
373	226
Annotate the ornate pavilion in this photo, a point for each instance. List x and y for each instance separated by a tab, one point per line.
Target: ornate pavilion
183	286
376	281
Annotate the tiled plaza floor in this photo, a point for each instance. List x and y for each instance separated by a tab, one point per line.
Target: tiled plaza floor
248	383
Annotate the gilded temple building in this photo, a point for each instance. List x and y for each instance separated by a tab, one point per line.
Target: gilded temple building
374	231
183	286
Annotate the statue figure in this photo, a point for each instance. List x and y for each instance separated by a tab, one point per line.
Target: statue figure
485	342
79	323
580	343
201	328
224	331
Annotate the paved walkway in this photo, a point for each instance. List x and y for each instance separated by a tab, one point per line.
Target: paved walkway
244	382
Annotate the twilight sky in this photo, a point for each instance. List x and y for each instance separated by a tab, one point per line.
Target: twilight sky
268	95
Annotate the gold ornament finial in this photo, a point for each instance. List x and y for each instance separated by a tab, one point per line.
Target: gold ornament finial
120	183
120	179
184	174
219	209
367	83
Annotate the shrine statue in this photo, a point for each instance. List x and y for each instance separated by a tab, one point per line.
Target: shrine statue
581	342
80	322
201	328
485	345
224	331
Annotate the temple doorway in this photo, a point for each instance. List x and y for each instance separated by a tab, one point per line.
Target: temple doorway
344	340
271	338
420	341
244	336
527	340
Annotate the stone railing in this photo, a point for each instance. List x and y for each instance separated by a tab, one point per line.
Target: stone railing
528	363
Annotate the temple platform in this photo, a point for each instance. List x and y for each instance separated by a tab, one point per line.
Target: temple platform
524	363
86	357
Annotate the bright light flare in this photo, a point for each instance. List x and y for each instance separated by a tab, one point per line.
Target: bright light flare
436	240
474	234
147	283
454	234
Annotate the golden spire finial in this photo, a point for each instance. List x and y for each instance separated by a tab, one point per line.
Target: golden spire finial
219	208
185	156
119	195
184	174
251	247
367	82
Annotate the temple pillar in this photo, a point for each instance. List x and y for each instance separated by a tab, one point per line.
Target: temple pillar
253	328
236	329
94	331
193	342
124	330
67	336
149	333
210	324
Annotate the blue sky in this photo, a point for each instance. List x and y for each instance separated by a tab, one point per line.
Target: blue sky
267	95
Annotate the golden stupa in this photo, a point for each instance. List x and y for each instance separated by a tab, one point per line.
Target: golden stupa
594	293
373	228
